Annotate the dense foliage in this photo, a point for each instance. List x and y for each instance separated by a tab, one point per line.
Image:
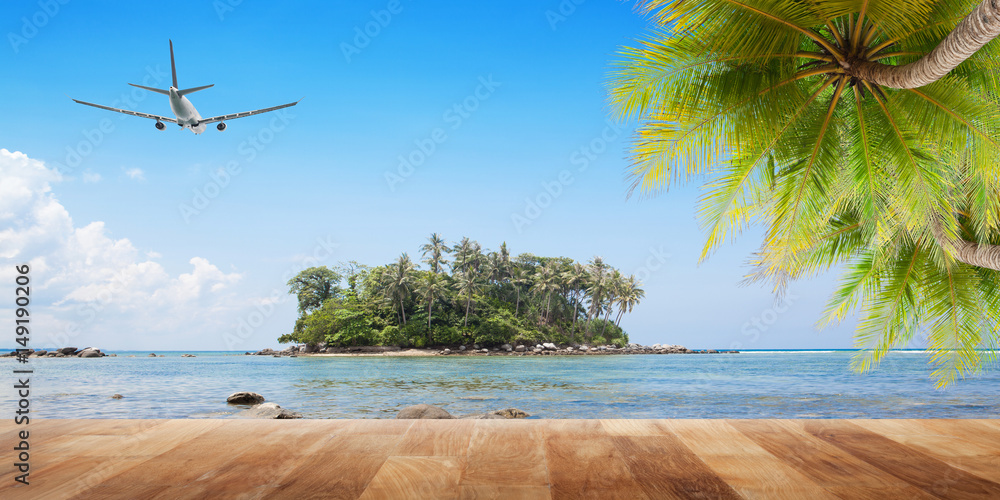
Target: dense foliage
479	297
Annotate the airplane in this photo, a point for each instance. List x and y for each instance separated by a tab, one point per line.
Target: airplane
185	115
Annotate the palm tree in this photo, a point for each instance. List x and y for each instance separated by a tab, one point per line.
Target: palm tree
969	36
631	296
547	280
432	287
504	261
400	284
519	278
467	255
615	289
476	257
770	101
433	252
576	279
468	284
598	286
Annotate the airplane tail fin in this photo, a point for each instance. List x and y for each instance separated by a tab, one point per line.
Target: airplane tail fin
173	74
173	68
151	89
193	89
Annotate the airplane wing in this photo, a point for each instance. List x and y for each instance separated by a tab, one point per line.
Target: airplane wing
245	113
130	112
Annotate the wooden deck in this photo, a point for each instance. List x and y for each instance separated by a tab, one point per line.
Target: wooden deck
529	459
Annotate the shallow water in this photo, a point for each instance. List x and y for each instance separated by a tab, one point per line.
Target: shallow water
746	385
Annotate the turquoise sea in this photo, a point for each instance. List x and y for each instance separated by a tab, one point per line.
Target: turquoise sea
752	384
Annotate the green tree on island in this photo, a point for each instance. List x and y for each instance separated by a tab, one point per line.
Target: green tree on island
804	117
488	298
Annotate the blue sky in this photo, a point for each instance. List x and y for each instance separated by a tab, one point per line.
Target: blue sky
184	257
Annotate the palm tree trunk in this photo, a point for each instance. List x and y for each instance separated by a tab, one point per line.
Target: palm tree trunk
979	255
467	302
548	300
974	254
430	336
606	316
590	313
576	312
402	311
978	28
517	306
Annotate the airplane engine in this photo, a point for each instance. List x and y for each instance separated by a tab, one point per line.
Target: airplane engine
221	126
160	126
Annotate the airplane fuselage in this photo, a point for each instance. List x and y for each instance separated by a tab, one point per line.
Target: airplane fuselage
187	116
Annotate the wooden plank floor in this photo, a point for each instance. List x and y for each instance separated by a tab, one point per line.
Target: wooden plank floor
526	459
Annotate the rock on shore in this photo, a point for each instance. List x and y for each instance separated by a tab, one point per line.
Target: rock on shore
268	410
423	411
433	412
498	414
245	398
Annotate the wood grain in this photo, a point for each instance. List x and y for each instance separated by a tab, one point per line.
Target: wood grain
501	459
428	439
665	468
827	465
980	459
416	477
500	453
504	492
748	468
589	467
916	468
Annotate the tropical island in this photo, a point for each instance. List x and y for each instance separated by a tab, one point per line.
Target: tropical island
465	295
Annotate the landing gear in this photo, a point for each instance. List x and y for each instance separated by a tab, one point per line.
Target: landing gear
221	126
160	125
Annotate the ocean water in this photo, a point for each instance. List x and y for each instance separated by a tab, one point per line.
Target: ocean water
768	384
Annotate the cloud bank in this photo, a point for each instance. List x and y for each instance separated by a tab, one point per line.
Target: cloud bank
91	289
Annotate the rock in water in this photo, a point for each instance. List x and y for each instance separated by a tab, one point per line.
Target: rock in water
90	353
520	348
68	350
423	411
152	355
268	410
482	416
117	396
498	414
245	398
510	413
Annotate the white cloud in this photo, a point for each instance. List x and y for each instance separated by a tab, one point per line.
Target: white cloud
91	177
89	288
135	174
